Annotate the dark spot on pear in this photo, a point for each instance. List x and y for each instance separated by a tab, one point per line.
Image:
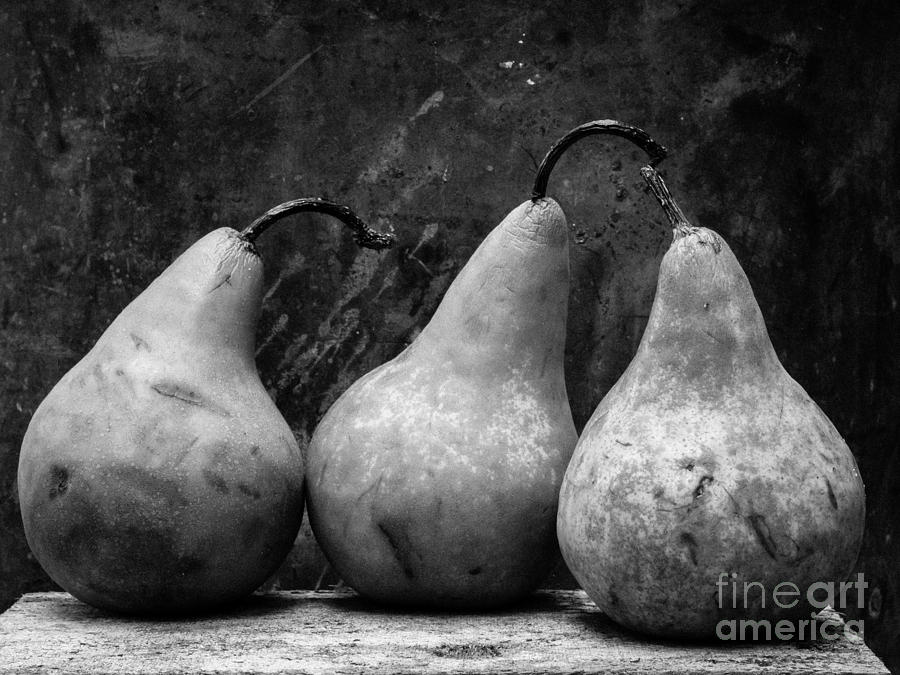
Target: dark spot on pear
225	280
475	570
626	444
254	451
216	481
545	361
831	496
400	546
59	481
322	472
148	486
688	540
139	343
702	485
249	490
658	492
172	390
689	466
874	603
613	598
706	306
134	564
761	530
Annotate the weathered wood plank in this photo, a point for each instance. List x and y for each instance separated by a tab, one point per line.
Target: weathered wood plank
309	632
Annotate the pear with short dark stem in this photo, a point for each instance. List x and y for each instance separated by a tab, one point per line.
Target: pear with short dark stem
708	487
158	476
434	479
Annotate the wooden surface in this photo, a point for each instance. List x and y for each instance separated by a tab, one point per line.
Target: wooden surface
310	632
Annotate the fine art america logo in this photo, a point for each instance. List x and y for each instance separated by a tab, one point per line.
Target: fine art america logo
821	596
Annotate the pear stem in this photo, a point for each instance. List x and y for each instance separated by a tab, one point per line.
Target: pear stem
673	212
363	235
637	136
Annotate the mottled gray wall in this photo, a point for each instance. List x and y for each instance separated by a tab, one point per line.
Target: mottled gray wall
127	133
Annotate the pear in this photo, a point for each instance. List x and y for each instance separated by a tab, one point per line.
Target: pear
157	476
708	487
433	480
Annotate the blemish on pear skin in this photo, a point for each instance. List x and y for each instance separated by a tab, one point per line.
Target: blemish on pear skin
688	540
399	551
249	490
475	570
216	481
139	343
761	530
148	484
322	472
702	485
831	496
373	487
59	481
174	391
226	280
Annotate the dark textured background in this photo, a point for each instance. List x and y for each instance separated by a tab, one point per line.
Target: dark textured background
126	133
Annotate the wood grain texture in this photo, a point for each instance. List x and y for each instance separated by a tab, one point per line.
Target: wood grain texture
328	632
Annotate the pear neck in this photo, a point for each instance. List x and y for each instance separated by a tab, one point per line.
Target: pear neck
511	297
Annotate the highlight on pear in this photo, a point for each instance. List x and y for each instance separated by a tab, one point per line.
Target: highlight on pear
157	476
707	462
434	479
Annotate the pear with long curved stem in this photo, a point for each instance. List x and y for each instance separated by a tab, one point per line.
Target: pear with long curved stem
434	479
708	487
157	475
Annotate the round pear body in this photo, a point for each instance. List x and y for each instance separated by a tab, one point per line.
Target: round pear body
433	480
707	476
158	476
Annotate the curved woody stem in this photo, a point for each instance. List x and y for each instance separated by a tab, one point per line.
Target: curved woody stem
673	212
364	235
637	136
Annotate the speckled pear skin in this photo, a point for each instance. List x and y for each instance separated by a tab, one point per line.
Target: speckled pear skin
433	480
158	476
705	458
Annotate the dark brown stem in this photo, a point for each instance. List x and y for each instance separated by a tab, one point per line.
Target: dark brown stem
673	212
363	234
637	136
